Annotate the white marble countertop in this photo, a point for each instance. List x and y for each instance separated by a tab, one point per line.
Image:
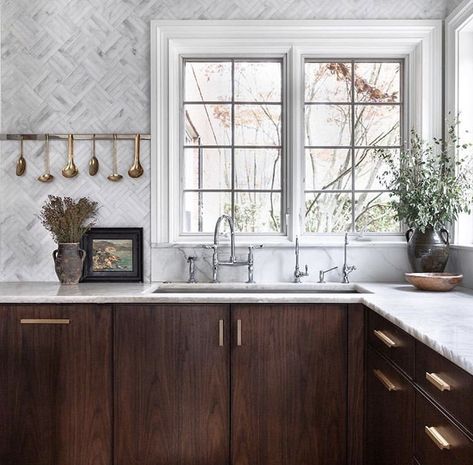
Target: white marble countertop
442	321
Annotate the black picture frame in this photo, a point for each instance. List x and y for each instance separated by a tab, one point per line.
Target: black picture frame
135	235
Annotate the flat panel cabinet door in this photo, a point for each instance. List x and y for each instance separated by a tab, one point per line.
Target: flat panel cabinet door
289	386
172	385
55	385
389	419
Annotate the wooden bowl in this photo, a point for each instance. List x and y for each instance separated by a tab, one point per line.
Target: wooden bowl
437	282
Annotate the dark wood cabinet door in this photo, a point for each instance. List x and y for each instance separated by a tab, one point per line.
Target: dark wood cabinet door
55	385
390	414
171	385
289	384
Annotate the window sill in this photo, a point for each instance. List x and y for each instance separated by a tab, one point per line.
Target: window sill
462	247
289	244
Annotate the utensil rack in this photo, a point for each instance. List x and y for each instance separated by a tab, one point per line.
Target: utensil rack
77	137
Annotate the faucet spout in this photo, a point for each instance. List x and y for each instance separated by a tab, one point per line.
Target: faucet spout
231	225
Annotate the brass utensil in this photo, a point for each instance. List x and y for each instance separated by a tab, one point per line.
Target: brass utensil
114	176
70	170
93	162
46	176
21	163
136	170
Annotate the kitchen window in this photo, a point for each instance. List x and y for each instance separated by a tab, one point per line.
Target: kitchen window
277	123
232	155
351	108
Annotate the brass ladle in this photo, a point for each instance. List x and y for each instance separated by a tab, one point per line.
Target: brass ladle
136	170
46	176
70	170
93	162
114	176
21	163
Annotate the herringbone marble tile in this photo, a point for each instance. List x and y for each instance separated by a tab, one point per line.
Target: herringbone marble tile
83	66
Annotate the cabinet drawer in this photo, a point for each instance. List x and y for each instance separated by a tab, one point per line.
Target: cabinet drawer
389	414
448	384
437	440
391	341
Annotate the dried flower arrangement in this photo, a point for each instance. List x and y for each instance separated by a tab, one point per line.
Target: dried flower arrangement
67	219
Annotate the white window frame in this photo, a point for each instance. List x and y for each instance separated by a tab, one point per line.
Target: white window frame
460	20
418	42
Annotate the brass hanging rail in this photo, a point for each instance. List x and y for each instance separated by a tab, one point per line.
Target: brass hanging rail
86	136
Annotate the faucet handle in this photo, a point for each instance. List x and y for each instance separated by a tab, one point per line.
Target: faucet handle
209	246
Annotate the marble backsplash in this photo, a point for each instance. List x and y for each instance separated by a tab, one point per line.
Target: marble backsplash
374	262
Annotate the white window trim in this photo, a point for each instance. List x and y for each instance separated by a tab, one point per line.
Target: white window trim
419	42
455	23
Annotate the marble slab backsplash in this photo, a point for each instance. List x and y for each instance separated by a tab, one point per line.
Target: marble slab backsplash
374	262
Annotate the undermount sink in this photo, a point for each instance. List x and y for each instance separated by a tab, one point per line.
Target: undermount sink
242	288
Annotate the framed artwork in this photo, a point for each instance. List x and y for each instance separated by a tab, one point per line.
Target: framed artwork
113	255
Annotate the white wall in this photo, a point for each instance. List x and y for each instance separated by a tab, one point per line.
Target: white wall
83	66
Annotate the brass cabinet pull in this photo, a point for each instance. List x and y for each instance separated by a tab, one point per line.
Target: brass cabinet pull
387	383
437	438
220	333
238	332
437	381
386	340
44	321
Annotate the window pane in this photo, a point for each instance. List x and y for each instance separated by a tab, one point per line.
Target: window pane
201	210
257	125
258	81
369	167
208	81
377	82
208	124
328	82
257	169
377	125
328	212
257	212
328	125
373	213
207	168
328	169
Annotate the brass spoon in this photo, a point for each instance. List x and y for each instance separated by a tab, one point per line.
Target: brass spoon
114	176
70	170
21	163
93	162
46	176
136	169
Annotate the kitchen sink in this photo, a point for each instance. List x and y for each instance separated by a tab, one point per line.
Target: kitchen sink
241	288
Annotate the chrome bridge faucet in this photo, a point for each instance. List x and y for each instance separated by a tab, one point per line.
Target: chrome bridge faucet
232	260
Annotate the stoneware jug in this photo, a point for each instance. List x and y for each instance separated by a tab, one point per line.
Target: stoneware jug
68	261
428	251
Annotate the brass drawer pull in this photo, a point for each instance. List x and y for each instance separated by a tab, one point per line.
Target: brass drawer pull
220	333
238	332
44	321
386	340
437	438
387	383
437	381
